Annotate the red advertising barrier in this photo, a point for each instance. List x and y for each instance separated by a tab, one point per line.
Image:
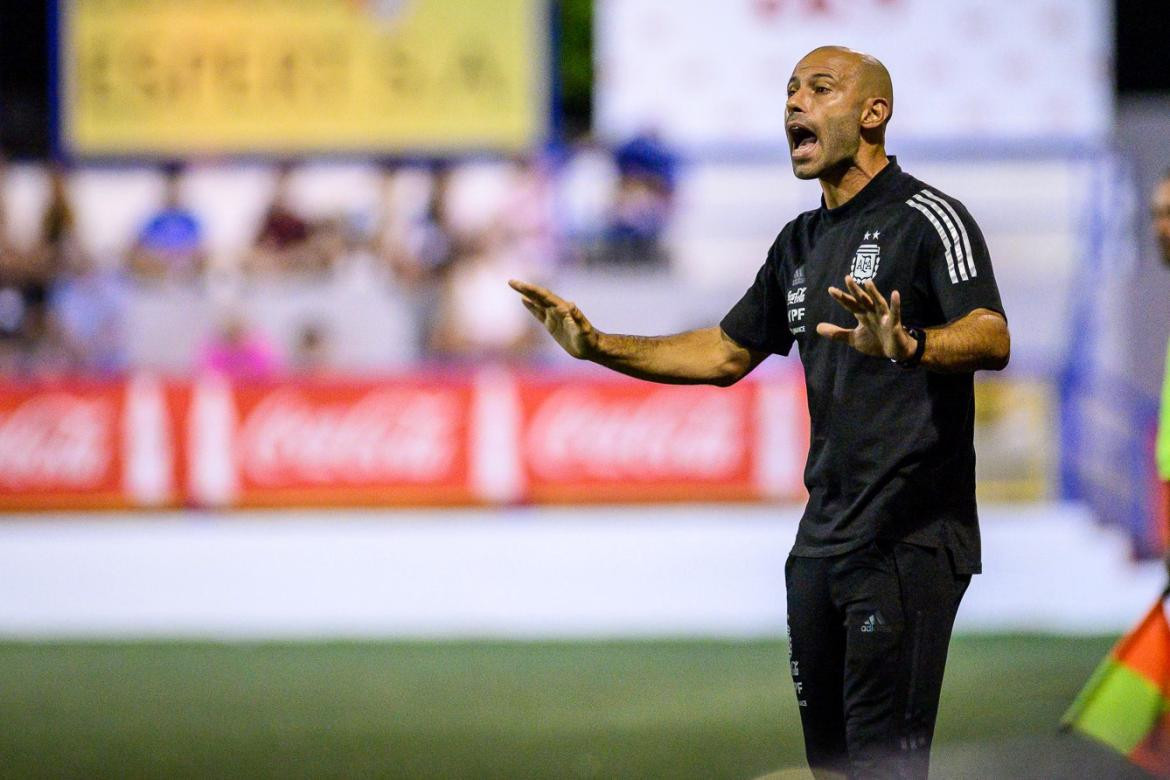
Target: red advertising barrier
75	444
330	443
62	445
621	441
498	437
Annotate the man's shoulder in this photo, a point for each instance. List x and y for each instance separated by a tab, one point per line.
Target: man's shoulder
916	194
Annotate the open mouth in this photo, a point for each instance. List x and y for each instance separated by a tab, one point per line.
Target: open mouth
802	139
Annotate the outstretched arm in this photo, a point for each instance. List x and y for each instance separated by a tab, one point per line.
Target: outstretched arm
978	340
704	356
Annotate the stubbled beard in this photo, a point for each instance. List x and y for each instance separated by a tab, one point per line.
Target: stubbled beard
824	168
804	176
830	139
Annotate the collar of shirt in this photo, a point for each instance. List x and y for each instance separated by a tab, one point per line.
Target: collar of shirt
877	186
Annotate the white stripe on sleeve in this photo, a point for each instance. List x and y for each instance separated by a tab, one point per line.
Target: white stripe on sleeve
950	226
962	229
946	240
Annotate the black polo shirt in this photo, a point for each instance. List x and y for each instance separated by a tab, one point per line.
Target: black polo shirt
891	452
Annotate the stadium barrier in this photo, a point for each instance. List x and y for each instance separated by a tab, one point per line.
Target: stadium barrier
494	437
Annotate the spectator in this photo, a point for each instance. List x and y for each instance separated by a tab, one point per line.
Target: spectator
643	204
239	352
284	240
29	339
170	244
58	246
413	236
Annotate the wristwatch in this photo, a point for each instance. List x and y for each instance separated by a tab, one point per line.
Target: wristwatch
919	336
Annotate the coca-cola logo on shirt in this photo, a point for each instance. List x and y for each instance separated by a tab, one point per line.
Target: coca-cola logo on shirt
669	434
57	441
390	435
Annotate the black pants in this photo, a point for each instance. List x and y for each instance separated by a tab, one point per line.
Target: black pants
868	634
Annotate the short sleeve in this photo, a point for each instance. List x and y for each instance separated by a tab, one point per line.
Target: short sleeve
759	320
956	256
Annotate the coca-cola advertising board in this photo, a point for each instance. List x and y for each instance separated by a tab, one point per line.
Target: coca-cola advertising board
341	442
493	437
61	445
621	440
73	444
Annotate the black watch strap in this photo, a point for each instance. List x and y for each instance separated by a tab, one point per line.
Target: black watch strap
919	336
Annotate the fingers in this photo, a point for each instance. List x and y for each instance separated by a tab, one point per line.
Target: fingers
860	294
896	308
542	303
524	288
847	301
833	332
879	301
533	309
547	315
535	292
865	300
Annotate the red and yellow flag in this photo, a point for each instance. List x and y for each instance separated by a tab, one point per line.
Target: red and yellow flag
1126	703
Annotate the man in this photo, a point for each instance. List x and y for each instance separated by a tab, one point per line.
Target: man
889	537
170	243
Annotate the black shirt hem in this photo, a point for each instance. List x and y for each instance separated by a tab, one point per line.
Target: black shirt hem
842	548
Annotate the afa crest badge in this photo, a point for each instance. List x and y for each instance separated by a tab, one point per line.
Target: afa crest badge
866	260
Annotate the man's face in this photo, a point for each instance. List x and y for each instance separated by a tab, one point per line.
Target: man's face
1160	211
823	114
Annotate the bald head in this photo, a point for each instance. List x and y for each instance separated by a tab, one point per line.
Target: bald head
839	102
869	75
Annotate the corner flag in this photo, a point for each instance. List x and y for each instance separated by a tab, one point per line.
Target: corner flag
1126	703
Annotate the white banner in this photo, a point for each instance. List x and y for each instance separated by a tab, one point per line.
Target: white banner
703	73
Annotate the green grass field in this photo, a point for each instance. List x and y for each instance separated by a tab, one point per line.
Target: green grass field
497	710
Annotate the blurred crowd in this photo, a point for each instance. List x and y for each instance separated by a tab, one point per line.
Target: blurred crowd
446	234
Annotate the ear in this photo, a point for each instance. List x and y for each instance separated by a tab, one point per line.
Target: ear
875	113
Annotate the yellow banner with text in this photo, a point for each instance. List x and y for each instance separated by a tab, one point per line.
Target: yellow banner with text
181	77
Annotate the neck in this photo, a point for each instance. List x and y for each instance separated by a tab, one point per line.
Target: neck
845	181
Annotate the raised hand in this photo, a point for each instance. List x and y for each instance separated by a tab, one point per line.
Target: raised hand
561	318
879	330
